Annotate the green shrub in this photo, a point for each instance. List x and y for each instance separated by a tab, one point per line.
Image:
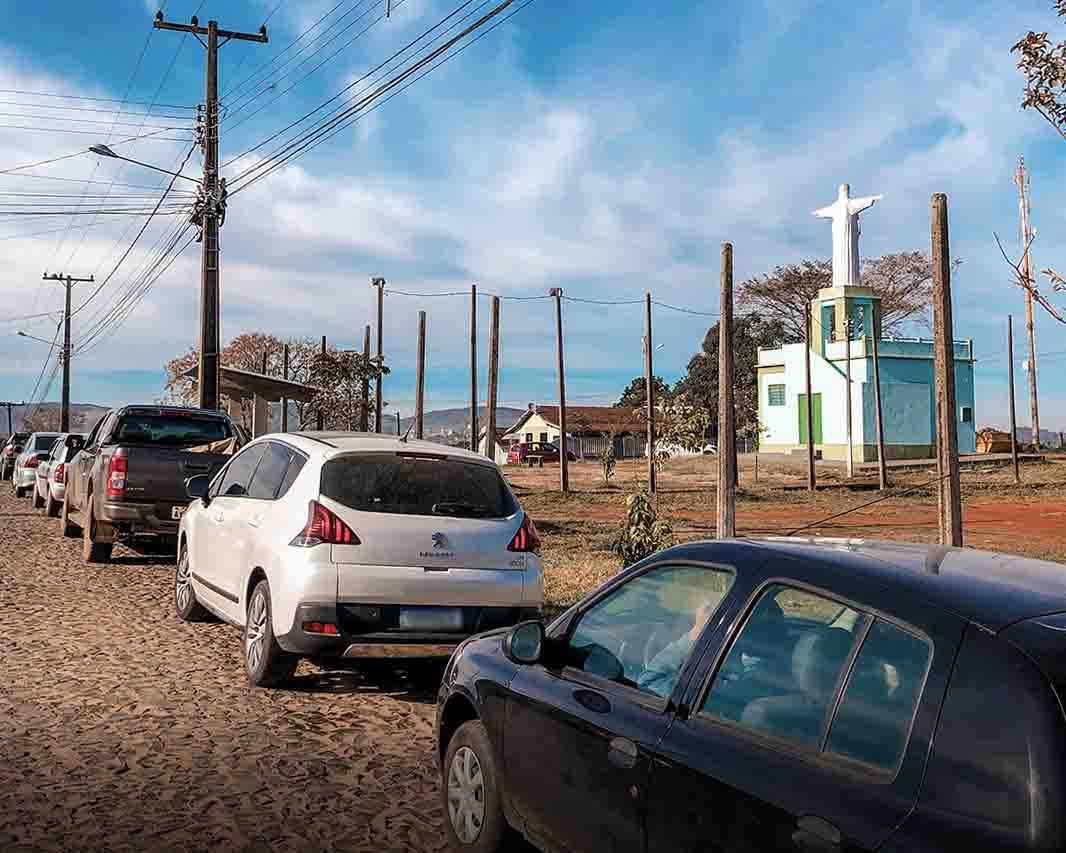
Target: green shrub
642	533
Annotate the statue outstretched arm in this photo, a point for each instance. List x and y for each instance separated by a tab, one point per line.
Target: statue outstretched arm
826	212
857	205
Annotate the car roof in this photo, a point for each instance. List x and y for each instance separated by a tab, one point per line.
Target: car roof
990	589
331	443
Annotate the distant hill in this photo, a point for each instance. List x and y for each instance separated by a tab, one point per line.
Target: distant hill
441	423
83	416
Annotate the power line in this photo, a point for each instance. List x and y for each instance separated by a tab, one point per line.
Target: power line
687	310
87	98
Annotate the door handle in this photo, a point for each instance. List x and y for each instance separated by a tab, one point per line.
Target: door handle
622	752
595	702
816	834
255	521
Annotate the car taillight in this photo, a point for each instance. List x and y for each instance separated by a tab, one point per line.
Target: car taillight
526	540
116	475
59	473
324	528
32	462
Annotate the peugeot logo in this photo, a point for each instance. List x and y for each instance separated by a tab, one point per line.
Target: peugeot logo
440	540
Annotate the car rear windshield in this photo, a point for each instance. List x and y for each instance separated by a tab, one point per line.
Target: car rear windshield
44	442
417	485
170	429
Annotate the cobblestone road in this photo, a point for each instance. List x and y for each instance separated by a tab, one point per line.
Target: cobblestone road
123	729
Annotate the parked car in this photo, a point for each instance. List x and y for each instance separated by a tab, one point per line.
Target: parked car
51	473
12	448
546	450
773	696
129	478
350	545
24	477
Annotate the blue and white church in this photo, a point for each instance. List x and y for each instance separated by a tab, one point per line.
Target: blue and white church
844	319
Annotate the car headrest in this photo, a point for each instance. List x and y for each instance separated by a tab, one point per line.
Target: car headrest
818	659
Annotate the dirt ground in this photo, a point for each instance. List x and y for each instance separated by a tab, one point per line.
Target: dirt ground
123	729
578	529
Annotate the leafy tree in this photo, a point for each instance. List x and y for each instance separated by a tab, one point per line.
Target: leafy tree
635	395
642	533
339	377
904	281
679	424
700	384
42	419
1044	65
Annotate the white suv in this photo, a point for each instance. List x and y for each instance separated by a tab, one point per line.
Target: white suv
354	545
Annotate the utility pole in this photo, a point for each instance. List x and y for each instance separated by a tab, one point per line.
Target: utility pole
882	466
284	400
364	412
847	389
564	468
944	348
473	368
650	395
1010	381
211	201
322	414
68	282
494	379
1022	180
398	422
727	431
379	283
9	405
420	378
811	485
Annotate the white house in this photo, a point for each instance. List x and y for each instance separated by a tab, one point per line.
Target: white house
907	386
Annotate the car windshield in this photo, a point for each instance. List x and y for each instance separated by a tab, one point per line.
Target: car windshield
44	442
417	485
171	429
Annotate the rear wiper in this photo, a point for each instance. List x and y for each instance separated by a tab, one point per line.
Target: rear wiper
460	509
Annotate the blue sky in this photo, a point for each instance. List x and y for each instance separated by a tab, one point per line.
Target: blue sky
604	148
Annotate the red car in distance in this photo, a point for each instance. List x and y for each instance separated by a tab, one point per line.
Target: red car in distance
546	450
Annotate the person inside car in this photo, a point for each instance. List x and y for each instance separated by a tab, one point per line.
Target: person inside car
664	668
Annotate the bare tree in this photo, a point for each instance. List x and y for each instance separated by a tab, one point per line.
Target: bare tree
1044	65
1020	279
904	281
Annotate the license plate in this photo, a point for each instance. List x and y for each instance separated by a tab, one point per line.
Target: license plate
177	512
431	618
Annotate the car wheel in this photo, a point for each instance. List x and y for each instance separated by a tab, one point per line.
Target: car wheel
70	529
51	506
265	662
471	792
189	609
38	501
20	491
91	550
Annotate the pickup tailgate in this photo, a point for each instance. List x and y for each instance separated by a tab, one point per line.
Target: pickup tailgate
157	474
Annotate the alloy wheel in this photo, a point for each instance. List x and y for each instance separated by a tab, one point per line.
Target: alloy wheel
255	632
466	795
183	582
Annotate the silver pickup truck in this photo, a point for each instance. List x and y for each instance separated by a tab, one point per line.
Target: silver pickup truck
129	477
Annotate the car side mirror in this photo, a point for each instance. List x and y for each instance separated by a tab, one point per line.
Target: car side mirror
197	487
524	643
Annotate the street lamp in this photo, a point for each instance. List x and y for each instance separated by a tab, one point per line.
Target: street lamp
104	151
33	338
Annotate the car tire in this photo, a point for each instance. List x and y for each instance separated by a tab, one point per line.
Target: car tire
473	810
265	662
52	506
38	501
185	603
20	491
91	550
70	529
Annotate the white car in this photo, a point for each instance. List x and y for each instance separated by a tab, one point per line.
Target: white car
355	545
51	475
35	450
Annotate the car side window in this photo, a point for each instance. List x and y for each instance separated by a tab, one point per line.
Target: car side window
296	465
641	634
234	480
783	671
91	438
873	720
270	472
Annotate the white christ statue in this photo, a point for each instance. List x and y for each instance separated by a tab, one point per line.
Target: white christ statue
845	215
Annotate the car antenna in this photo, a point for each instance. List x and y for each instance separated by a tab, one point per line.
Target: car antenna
409	428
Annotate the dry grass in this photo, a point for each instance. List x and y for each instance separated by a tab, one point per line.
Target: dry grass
578	529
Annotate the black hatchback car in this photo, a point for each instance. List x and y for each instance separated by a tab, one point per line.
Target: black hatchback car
771	695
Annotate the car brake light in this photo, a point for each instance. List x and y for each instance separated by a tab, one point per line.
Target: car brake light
323	528
58	473
32	462
116	475
526	540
